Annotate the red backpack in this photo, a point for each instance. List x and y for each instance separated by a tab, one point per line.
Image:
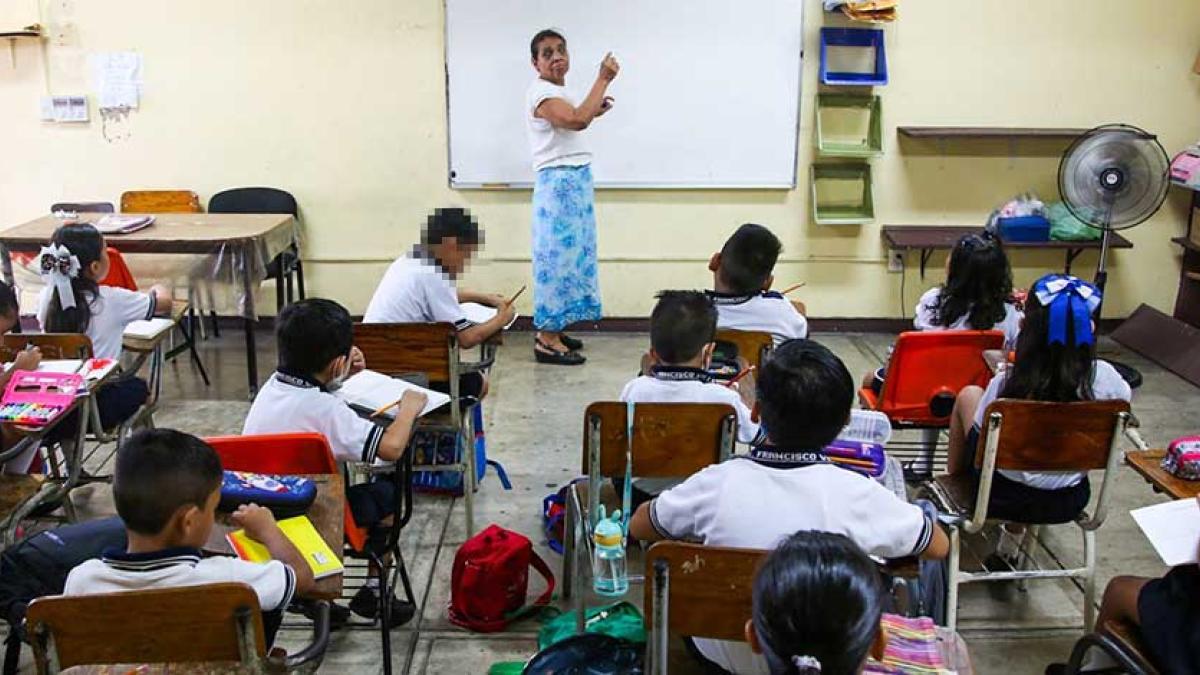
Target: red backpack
490	580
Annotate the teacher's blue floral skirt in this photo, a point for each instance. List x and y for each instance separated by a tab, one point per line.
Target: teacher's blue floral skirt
565	284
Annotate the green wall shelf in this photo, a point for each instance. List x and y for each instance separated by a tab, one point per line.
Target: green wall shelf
849	125
842	194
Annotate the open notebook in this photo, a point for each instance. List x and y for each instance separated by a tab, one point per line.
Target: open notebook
148	329
1173	528
477	313
91	369
369	391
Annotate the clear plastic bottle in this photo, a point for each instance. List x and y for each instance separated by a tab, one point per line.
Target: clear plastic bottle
608	556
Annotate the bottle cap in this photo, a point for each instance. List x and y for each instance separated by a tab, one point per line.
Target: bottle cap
608	531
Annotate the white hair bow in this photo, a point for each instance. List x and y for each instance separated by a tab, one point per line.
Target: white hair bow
58	266
807	663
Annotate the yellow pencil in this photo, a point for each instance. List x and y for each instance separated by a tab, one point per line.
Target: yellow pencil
516	295
789	289
384	409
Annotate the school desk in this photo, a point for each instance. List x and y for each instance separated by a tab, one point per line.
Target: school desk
1149	464
327	514
235	249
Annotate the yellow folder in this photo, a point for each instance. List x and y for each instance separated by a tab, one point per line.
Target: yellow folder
300	531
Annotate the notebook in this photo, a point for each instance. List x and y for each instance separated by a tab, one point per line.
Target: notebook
369	391
114	224
91	370
477	313
148	329
303	535
1173	528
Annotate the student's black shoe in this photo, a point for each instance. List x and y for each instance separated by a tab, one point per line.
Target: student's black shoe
570	343
365	603
338	615
1061	669
546	354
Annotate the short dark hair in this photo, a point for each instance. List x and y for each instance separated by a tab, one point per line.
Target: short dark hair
8	300
157	472
681	324
451	222
804	395
543	35
312	333
748	258
817	595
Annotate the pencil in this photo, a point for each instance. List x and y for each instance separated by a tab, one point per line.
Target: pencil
385	408
516	295
789	289
739	376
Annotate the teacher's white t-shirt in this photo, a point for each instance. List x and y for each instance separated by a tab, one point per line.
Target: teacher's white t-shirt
550	145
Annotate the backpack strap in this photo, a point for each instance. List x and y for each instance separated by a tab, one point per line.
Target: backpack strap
543	600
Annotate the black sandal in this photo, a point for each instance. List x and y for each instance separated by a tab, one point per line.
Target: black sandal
554	357
570	343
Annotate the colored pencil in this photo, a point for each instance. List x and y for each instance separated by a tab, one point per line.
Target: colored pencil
739	376
789	289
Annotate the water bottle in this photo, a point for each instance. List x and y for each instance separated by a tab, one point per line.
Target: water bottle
608	556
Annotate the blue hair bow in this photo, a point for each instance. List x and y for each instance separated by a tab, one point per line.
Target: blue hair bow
1069	299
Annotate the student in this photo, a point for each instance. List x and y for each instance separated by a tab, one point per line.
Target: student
742	277
1166	611
977	295
166	486
785	485
419	287
316	353
818	602
683	328
27	359
1055	361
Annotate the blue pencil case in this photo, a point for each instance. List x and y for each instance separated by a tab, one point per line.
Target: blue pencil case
285	496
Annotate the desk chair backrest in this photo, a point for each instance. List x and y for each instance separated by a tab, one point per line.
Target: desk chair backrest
119	274
1037	436
160	201
752	345
82	207
215	622
52	345
698	591
396	349
670	440
253	200
927	370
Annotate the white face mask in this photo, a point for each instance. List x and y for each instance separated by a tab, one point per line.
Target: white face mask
336	381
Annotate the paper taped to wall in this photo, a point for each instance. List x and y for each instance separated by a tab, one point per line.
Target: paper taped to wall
117	79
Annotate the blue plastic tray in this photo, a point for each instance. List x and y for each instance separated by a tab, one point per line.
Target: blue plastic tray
867	38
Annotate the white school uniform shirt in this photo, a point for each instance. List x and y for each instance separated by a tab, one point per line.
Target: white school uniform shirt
689	385
1107	385
766	312
112	310
273	581
925	318
415	289
756	501
551	145
288	404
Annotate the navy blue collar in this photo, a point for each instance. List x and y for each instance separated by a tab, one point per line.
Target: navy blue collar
739	298
680	374
785	458
151	560
423	254
294	379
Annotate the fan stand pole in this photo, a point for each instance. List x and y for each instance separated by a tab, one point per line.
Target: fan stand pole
1127	372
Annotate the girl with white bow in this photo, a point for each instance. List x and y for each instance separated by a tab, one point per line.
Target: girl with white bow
73	301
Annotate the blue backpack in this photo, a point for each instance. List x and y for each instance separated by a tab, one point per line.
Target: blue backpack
432	448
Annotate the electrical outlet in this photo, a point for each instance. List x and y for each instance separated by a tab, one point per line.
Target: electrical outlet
895	260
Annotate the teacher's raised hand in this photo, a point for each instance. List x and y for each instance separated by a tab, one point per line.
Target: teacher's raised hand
609	68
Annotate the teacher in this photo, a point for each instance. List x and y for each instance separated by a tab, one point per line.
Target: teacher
565	284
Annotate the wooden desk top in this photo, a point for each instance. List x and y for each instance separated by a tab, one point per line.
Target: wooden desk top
170	233
1149	464
945	236
327	514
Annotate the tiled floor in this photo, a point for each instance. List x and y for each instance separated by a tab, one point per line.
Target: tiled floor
534	428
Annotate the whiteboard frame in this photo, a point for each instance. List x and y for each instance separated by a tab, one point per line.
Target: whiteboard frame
454	184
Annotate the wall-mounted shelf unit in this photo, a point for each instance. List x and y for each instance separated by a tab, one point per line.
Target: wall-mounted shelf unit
855	39
849	126
33	32
842	194
943	133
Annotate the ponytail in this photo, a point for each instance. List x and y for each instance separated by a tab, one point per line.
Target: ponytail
85	243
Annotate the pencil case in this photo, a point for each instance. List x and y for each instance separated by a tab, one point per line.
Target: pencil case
867	459
285	496
1183	458
36	399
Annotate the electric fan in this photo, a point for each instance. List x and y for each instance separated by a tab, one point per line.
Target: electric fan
1113	178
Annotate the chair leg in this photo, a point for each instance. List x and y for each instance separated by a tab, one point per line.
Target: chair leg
385	615
216	328
929	440
469	476
401	571
189	336
287	275
952	574
568	563
299	276
1089	582
279	290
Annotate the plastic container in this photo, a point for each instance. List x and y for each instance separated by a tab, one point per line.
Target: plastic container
842	194
1024	228
609	575
864	38
838	114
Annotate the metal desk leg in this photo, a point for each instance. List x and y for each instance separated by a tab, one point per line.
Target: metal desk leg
250	317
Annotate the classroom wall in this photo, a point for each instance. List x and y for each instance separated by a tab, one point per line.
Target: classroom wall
343	104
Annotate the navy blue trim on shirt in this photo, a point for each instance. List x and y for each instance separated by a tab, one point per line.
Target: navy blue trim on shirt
153	306
785	458
680	374
740	298
371	446
150	560
423	254
299	380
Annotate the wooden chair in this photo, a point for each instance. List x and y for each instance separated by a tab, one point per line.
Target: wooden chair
1120	640
1033	436
926	371
428	350
752	345
160	201
664	440
268	200
210	623
708	591
53	346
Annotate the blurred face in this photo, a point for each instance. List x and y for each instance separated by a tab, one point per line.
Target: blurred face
552	62
453	255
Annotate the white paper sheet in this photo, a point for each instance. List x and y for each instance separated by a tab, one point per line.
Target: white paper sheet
368	391
1173	528
477	313
117	78
148	329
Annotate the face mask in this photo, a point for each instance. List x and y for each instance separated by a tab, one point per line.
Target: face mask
336	381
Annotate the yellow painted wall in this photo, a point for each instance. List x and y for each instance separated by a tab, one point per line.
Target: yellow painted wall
343	104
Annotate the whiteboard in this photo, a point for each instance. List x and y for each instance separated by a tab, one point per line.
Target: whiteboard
708	95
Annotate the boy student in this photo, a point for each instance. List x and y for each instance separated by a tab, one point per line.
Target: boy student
166	486
419	287
316	354
786	485
742	278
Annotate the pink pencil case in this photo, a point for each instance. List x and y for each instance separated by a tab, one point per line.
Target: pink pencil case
35	399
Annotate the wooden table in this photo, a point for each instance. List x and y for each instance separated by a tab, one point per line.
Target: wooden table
245	242
929	238
327	514
1149	464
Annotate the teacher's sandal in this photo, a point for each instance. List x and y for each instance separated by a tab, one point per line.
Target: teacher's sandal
570	343
555	357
